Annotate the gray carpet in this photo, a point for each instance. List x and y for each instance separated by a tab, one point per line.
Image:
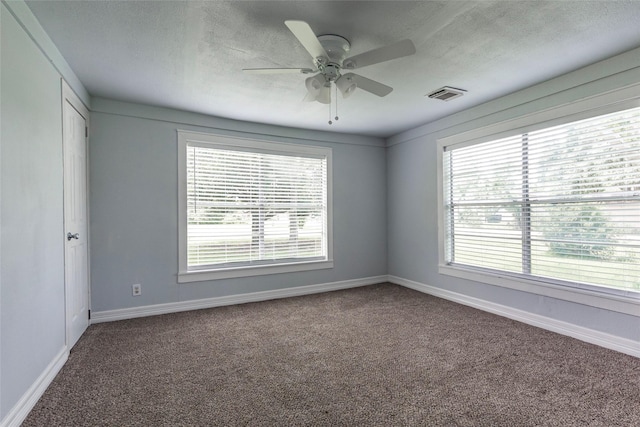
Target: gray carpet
380	355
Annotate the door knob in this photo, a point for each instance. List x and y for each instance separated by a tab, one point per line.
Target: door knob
73	236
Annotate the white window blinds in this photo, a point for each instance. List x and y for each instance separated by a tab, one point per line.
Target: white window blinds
252	207
560	203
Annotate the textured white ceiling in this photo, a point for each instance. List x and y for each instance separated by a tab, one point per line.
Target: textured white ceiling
189	54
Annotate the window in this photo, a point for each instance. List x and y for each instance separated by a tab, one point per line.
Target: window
557	204
252	207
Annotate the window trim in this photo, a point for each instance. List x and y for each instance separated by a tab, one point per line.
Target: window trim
621	301
221	141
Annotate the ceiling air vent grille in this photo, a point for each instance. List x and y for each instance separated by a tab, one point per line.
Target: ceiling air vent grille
446	93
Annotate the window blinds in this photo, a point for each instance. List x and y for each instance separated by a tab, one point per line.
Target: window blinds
560	203
248	207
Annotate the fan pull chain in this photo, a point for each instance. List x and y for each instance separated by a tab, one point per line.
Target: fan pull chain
336	86
330	102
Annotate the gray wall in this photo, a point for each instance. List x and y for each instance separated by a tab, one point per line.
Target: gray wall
32	275
412	194
133	203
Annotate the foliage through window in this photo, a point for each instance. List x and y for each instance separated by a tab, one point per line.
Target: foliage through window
254	204
560	203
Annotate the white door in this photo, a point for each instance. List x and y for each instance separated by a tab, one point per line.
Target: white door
76	277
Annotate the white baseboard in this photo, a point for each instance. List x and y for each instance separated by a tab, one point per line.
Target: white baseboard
26	403
21	409
174	307
623	345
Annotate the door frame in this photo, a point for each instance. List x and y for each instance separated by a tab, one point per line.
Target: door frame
69	96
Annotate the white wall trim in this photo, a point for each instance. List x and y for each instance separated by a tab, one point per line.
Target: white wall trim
229	127
187	139
26	403
612	342
174	307
29	23
612	73
19	412
620	301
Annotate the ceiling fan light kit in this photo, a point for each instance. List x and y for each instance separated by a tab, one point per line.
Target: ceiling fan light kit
329	53
346	85
324	97
315	83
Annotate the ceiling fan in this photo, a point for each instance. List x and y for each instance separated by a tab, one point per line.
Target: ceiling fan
329	53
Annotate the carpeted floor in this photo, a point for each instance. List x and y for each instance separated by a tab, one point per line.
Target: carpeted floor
379	355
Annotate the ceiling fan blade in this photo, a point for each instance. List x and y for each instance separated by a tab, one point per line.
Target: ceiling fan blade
307	38
369	85
278	70
382	54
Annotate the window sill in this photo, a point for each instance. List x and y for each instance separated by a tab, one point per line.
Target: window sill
620	301
228	273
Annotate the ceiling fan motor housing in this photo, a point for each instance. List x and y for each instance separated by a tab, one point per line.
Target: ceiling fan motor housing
331	72
336	47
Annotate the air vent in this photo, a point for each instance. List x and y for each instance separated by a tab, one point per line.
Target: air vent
446	93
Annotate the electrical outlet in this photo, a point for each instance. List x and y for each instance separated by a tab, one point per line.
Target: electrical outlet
136	289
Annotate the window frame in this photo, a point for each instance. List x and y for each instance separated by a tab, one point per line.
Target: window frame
618	300
185	274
